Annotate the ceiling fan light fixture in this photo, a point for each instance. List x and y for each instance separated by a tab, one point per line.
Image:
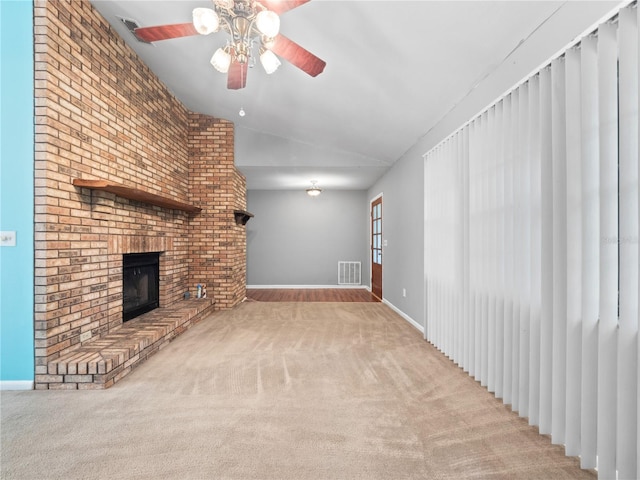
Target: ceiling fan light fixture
227	4
252	27
268	23
270	62
205	20
221	60
314	190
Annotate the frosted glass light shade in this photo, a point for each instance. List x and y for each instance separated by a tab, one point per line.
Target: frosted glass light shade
268	23
205	20
315	190
228	4
221	60
269	61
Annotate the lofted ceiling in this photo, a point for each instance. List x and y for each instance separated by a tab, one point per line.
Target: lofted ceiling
396	71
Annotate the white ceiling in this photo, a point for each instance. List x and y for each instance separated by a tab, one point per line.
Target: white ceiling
395	71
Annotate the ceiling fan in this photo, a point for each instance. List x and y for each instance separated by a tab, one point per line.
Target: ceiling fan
250	24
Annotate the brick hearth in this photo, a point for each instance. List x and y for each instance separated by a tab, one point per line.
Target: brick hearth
102	114
101	363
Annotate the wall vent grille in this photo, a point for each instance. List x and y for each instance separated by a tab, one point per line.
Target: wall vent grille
349	273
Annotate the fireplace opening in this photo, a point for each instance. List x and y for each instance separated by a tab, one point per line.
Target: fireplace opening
140	284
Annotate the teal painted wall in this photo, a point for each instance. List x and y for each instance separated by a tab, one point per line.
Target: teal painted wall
16	190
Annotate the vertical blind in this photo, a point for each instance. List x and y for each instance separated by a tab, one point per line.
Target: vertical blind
531	248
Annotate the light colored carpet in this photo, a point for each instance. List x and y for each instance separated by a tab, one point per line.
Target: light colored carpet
281	391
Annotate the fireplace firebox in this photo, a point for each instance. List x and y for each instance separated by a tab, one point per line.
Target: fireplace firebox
140	284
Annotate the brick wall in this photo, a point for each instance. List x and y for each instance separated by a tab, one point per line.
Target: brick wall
102	114
217	252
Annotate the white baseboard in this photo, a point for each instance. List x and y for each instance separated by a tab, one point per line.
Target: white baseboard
403	315
256	287
16	384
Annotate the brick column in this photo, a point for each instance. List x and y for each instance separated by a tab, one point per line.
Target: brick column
217	246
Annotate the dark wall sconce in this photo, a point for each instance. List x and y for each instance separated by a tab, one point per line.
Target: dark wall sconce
242	217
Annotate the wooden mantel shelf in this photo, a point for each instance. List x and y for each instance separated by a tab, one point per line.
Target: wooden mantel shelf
136	194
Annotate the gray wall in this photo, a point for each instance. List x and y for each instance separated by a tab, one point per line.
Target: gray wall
402	191
403	185
297	240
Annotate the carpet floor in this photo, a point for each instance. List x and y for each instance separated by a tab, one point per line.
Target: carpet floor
281	391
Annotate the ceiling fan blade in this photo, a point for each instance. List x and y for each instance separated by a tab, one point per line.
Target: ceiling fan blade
298	56
237	76
165	32
282	6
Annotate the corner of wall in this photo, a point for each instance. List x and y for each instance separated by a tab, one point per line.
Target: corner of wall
16	198
215	184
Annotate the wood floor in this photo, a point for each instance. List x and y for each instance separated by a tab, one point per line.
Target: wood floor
310	295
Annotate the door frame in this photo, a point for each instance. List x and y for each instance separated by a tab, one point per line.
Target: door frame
374	199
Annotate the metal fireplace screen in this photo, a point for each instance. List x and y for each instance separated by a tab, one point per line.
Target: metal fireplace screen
140	284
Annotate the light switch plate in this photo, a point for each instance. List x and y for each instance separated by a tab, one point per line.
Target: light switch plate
7	239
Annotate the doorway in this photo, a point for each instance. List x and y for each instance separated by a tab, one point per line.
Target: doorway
376	247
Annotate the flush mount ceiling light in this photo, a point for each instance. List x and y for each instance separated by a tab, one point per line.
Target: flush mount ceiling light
314	190
253	26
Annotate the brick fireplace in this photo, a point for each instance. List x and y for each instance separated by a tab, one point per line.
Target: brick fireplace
101	114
